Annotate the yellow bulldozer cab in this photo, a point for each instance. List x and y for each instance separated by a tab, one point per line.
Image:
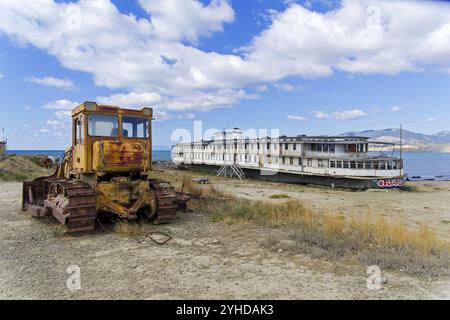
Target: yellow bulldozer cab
109	139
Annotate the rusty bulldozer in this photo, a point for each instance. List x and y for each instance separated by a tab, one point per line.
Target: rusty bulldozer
107	170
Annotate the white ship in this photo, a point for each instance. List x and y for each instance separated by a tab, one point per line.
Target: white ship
339	161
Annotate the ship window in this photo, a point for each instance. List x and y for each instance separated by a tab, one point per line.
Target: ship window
313	147
346	165
339	164
383	165
325	148
286	146
353	165
295	146
292	161
135	127
332	164
332	148
360	165
283	160
103	125
320	163
376	165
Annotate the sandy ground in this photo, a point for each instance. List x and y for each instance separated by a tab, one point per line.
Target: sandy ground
204	260
428	205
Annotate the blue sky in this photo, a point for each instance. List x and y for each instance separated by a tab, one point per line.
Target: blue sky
304	67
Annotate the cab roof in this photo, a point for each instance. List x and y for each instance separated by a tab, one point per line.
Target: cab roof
91	106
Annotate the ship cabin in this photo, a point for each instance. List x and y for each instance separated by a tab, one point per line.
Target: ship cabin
315	155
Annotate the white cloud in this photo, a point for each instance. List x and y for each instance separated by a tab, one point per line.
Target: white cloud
298	118
1	76
195	101
262	88
349	114
44	130
54	123
63	114
62	104
187	116
64	84
157	55
357	37
321	115
431	119
396	109
131	100
187	19
206	101
284	87
162	115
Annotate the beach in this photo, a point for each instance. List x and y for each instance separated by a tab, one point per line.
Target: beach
208	260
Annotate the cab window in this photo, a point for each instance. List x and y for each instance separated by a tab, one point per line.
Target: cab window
103	125
135	127
79	131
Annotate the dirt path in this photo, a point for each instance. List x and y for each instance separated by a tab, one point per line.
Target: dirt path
204	260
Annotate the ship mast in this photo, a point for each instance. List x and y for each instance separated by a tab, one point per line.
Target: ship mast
401	146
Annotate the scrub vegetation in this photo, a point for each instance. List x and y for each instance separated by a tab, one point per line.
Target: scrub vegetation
21	168
372	239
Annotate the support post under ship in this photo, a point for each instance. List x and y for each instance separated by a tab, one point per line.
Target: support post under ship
336	162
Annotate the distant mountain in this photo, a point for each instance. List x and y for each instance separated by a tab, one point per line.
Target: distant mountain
443	136
411	140
393	135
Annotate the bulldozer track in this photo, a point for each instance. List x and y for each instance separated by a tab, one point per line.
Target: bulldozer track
73	204
167	201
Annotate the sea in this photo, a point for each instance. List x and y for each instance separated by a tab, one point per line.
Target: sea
425	164
158	155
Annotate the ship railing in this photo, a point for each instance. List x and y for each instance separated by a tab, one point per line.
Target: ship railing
343	156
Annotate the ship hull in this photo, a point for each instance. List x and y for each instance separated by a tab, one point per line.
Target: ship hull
359	183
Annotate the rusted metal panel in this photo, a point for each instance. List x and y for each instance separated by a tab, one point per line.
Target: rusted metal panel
112	156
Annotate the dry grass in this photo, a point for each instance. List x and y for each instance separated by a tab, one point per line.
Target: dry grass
235	210
279	196
21	168
333	223
373	239
197	190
